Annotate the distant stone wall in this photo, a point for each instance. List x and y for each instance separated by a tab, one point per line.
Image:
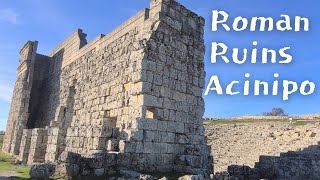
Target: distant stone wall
242	144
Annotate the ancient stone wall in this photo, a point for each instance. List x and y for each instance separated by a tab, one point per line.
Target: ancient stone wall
136	91
243	144
52	82
16	104
19	112
36	111
171	126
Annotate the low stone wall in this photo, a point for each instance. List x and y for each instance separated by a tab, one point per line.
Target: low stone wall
243	144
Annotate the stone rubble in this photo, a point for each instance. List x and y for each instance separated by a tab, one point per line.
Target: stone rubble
303	164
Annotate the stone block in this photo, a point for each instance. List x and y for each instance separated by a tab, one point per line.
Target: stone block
192	177
150	124
137	135
69	157
149	136
112	145
68	169
148	147
99	172
42	171
101	160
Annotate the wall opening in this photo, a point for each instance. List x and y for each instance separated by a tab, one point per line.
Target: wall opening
150	112
111	122
69	110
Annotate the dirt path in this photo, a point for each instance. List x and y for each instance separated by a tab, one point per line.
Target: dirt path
8	174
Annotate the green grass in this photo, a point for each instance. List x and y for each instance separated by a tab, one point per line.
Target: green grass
303	123
240	121
1	141
7	165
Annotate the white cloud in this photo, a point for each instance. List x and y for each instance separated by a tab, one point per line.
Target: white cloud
8	15
5	93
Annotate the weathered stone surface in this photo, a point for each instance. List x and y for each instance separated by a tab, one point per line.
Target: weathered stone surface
127	174
192	177
130	174
164	178
291	165
101	160
99	172
244	172
68	169
69	157
42	171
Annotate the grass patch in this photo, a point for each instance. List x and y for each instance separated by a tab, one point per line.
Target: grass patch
297	122
303	123
240	121
7	165
1	141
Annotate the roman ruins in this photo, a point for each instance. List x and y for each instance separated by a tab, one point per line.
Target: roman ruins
134	94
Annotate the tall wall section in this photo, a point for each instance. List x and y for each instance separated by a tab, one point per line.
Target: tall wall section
99	90
169	136
19	111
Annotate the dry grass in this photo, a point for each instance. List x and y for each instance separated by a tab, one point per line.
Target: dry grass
295	122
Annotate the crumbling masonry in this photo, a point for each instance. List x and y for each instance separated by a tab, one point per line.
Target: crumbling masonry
136	92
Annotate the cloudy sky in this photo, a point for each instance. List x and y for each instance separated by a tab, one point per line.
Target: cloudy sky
51	21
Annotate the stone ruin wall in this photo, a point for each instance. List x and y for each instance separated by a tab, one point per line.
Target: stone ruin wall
136	91
244	144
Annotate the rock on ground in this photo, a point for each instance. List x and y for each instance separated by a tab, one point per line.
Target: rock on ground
191	177
42	171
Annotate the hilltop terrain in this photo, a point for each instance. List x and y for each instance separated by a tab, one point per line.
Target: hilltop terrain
241	140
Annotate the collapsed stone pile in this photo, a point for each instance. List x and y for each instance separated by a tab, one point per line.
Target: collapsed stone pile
101	164
291	165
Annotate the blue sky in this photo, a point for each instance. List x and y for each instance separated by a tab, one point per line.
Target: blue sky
51	21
